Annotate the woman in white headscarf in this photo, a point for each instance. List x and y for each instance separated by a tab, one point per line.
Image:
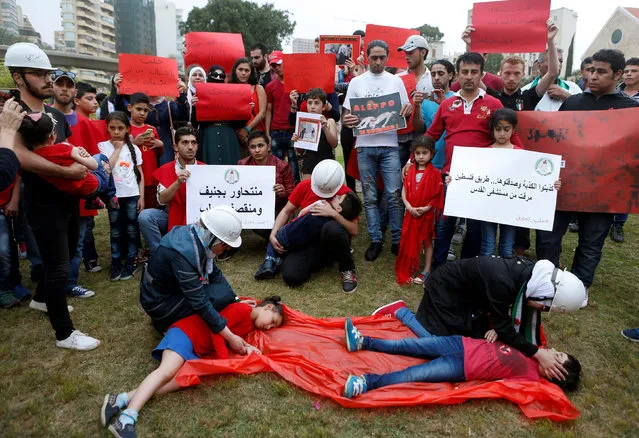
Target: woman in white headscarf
196	74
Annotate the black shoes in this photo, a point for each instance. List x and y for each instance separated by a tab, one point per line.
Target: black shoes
395	248
267	270
373	251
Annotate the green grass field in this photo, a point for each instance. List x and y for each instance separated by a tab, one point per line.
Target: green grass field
49	392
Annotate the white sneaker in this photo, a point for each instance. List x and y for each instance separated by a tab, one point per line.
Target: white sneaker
42	307
451	254
78	341
585	302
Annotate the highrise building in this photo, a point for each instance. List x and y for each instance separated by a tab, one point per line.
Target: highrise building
134	26
10	16
303	45
168	41
26	30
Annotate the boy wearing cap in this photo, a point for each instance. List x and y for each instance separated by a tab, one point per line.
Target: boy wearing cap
326	182
278	127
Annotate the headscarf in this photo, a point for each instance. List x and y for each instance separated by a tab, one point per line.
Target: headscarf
191	91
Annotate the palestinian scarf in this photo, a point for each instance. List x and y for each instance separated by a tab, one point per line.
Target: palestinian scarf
206	238
559	82
418	231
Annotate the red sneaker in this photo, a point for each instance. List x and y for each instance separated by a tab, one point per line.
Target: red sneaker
390	309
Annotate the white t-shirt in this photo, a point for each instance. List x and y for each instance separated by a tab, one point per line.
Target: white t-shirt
126	184
371	85
548	104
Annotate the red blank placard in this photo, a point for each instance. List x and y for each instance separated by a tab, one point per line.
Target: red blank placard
222	102
151	75
303	71
213	48
395	37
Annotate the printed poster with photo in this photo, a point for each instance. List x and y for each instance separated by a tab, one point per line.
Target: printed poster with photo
309	129
343	46
377	114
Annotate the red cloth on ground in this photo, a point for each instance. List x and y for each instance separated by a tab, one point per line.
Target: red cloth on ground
418	232
281	103
166	176
207	343
303	195
311	353
60	153
283	175
486	361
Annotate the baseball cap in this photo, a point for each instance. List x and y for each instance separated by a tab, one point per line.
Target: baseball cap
414	42
276	57
66	74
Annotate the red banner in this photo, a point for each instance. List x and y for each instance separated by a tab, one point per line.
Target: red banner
213	48
222	102
342	46
600	150
151	75
395	37
410	83
303	71
512	26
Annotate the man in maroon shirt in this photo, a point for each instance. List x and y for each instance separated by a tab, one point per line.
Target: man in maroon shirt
278	127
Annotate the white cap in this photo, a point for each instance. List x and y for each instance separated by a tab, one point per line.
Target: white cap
224	223
414	42
27	55
570	292
327	178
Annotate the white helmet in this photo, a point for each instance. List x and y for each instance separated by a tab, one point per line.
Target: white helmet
327	178
224	223
570	292
27	55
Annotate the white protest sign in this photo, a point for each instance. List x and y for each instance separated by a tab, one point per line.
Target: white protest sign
512	187
247	189
309	130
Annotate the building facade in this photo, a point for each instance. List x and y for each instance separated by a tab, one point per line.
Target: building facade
10	16
303	45
26	30
168	40
621	32
134	26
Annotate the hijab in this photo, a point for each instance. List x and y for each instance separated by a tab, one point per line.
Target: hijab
191	85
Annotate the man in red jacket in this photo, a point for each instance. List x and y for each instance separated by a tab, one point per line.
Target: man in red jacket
170	179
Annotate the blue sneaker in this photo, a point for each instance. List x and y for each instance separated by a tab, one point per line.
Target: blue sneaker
80	292
354	338
21	292
355	385
632	334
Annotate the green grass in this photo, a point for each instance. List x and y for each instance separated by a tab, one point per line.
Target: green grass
48	392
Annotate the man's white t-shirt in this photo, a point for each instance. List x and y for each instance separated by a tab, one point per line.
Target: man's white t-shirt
548	104
126	184
372	85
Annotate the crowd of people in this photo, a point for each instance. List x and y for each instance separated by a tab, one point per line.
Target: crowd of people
59	166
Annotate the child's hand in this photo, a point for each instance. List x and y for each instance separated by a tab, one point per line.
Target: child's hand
141	203
323	121
413	212
279	189
324	209
251	303
557	184
82	152
423	210
448	179
141	139
490	336
117	144
295	138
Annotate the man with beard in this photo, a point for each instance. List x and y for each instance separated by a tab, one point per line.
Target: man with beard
259	55
63	94
52	214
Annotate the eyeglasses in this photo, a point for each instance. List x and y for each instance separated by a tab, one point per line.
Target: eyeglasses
59	73
42	74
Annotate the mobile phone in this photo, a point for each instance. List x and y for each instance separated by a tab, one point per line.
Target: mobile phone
8	93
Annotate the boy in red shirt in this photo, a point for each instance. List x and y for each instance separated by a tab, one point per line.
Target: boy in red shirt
452	359
145	137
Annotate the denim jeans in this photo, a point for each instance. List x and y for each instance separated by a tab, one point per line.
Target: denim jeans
154	223
281	146
124	231
76	261
299	234
106	184
444	231
89	253
371	162
620	219
489	238
9	263
446	354
593	230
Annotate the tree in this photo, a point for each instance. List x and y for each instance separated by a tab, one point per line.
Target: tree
431	33
256	23
6	81
493	62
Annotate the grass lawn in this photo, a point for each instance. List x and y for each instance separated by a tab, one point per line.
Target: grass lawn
51	392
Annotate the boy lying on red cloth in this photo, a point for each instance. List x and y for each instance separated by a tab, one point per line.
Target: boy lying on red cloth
309	352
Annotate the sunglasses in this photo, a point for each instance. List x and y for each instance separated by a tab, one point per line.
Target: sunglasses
59	73
217	75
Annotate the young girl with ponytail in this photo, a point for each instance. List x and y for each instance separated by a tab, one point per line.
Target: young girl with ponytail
125	159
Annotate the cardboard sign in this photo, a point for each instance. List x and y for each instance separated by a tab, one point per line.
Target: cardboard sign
303	71
512	26
309	129
395	37
222	102
246	189
151	75
377	114
410	83
600	152
342	46
213	48
503	186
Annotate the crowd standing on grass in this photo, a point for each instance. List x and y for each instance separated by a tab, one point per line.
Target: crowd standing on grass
52	186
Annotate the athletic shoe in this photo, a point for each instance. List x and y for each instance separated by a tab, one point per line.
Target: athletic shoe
42	307
632	334
122	431
395	248
7	300
267	270
354	338
109	409
80	292
21	292
373	251
355	385
23	250
451	254
116	273
586	301
78	341
390	309
113	204
616	233
421	278
92	266
349	282
128	272
143	256
573	227
94	204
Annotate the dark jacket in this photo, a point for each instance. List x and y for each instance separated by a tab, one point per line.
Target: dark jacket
118	102
587	101
470	296
172	286
159	118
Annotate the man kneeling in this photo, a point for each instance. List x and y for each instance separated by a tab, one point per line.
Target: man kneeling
453	359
